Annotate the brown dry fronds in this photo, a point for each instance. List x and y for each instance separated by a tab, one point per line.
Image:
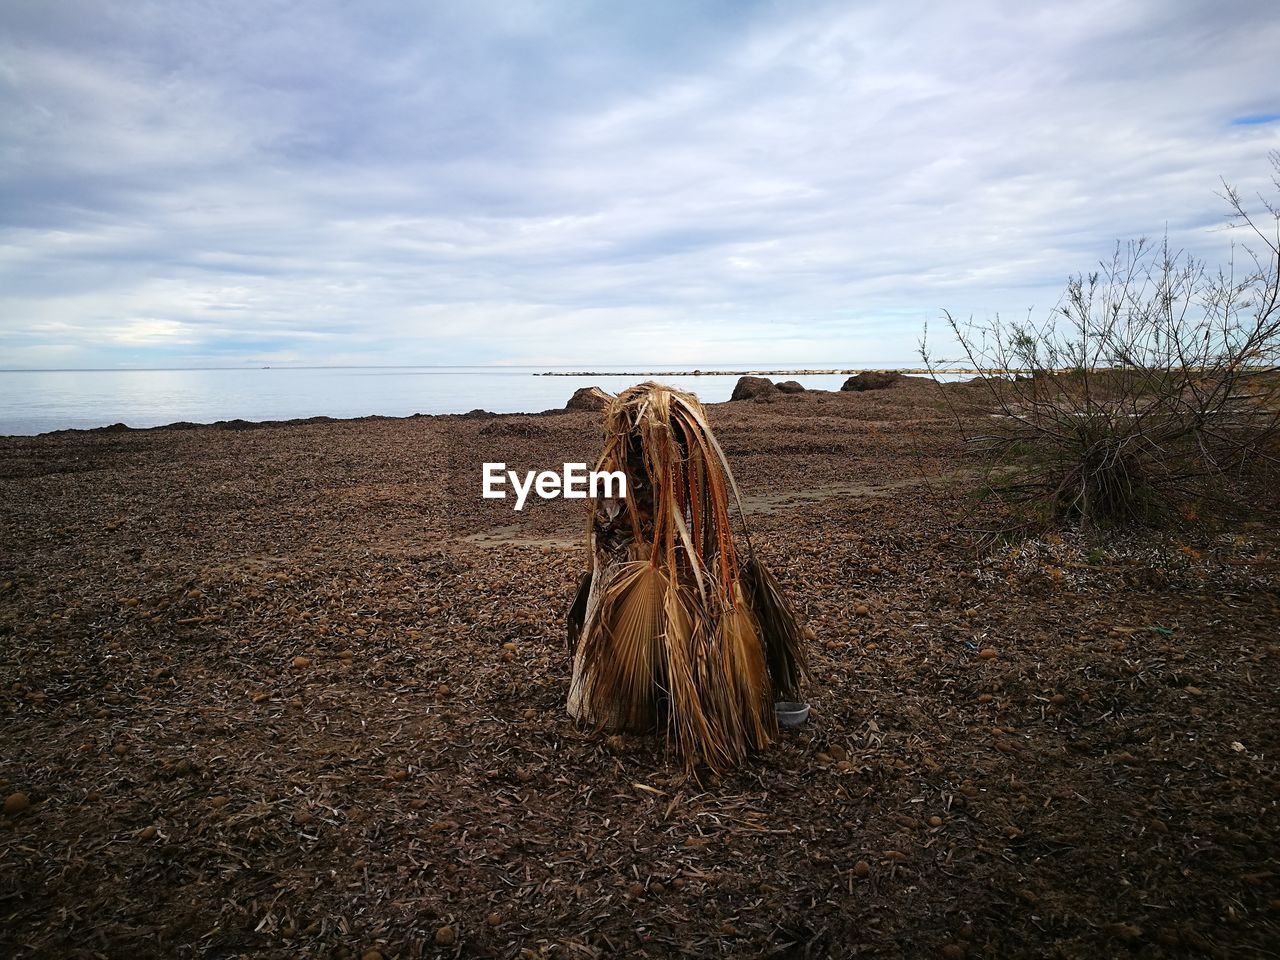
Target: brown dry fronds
675	630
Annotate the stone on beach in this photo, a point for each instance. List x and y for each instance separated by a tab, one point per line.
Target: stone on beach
587	398
871	380
749	388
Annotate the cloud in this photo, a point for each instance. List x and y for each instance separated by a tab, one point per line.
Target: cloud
568	184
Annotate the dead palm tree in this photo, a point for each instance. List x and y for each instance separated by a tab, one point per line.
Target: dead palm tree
671	628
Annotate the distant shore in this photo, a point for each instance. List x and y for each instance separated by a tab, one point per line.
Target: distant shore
806	372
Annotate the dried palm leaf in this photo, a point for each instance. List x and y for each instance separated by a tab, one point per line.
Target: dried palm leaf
783	638
674	631
577	615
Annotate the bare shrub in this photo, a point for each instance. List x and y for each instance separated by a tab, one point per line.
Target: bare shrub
1151	388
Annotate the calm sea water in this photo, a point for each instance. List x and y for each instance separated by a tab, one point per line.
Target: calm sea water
36	401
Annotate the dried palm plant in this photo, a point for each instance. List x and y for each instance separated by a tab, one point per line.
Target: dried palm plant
670	628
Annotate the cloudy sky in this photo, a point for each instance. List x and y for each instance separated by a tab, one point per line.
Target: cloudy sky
222	183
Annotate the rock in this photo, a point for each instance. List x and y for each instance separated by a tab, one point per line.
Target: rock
16	803
301	663
870	380
588	398
987	653
749	388
790	386
446	937
861	868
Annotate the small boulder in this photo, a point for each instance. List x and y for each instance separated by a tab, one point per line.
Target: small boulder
587	398
871	380
791	386
751	388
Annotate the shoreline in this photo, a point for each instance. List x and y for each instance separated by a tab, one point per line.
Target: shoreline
235	424
805	372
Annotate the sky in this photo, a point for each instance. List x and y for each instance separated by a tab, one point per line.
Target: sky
241	183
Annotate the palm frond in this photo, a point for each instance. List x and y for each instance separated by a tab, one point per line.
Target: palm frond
577	615
783	638
675	631
622	655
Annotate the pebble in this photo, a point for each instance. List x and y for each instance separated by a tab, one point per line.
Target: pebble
16	803
987	653
301	663
861	869
446	937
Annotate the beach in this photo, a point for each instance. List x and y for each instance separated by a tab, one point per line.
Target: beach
298	690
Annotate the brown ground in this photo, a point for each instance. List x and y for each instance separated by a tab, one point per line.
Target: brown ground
1105	784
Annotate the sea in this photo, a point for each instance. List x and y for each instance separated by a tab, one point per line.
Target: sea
38	401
